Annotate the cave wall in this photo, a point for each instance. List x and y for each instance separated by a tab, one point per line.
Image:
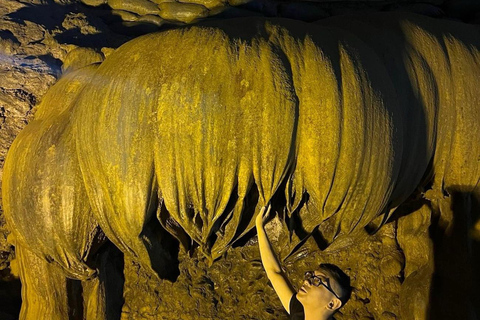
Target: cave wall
393	270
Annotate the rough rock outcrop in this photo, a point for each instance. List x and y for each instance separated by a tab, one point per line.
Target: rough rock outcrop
386	279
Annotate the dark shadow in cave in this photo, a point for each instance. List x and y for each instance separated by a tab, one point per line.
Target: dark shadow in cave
248	212
163	251
456	254
162	247
173	227
103	295
52	16
453	292
474	236
219	226
74	294
10	295
8	35
54	63
110	262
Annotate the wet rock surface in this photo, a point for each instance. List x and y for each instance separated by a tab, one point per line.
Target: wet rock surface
396	273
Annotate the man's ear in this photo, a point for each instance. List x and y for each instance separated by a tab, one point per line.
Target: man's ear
334	304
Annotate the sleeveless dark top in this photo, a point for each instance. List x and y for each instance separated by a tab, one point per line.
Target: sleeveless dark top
296	309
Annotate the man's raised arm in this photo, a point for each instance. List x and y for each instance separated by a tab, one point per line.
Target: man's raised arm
272	267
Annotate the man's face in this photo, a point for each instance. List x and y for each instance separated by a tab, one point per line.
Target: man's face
312	296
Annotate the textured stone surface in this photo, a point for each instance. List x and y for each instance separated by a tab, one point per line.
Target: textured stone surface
237	288
391	280
184	12
417	246
32	47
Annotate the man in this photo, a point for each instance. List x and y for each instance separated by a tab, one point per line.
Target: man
323	292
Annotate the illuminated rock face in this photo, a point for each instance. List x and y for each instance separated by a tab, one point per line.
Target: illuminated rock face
46	198
333	121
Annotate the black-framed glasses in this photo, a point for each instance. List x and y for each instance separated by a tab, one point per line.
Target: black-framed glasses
317	281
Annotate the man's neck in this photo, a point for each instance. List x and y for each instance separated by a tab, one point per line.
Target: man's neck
316	314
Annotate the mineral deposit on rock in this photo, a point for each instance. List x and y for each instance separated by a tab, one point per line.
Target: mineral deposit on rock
132	191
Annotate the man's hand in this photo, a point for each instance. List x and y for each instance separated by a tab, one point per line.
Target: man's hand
263	216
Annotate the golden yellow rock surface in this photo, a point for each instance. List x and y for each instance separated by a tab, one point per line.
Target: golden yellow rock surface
323	120
44	198
311	105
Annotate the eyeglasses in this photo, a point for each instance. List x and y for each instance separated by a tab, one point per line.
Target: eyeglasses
317	281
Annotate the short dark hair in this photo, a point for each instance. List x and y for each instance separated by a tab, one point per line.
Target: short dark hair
341	278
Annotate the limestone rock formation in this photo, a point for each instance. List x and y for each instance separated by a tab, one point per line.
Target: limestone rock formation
64	227
334	127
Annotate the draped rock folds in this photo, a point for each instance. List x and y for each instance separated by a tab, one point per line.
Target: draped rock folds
44	197
343	124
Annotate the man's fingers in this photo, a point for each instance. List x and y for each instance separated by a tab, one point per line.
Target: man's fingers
268	210
262	210
264	213
261	216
